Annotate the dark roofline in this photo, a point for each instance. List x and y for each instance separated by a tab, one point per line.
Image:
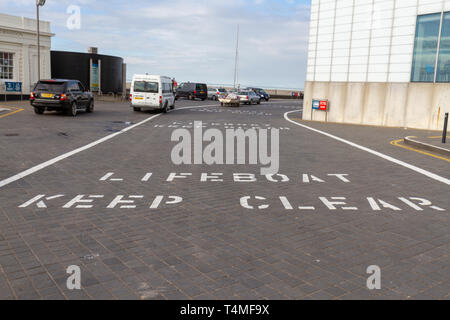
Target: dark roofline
87	53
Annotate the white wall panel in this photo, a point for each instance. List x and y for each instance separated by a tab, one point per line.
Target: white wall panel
365	40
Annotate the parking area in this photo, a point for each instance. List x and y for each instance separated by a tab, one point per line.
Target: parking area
104	194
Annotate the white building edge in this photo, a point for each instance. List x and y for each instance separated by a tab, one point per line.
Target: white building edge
380	62
18	51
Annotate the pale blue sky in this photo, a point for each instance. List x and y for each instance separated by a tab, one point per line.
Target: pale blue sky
189	40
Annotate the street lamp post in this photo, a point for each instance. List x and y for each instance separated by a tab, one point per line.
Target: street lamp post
39	3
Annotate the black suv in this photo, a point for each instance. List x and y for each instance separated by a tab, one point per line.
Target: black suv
260	92
192	91
69	96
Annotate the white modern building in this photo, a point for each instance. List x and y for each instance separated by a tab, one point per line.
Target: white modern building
18	51
379	62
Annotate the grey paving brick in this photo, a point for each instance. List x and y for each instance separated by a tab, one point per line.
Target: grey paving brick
211	247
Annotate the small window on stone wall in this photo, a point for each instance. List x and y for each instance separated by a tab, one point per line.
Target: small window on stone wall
6	65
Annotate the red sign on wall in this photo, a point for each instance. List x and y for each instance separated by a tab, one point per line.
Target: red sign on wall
323	105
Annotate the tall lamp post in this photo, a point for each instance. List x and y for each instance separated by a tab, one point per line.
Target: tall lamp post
39	3
236	59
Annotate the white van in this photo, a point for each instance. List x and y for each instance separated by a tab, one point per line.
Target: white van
151	92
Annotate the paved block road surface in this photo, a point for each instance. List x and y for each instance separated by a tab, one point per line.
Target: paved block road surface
141	227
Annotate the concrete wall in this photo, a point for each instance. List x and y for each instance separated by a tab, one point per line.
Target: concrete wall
411	105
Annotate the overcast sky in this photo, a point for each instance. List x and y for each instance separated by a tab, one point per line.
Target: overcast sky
190	40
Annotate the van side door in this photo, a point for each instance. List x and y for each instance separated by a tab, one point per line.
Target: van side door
167	92
181	91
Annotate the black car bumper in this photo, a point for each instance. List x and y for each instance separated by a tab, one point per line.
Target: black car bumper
49	104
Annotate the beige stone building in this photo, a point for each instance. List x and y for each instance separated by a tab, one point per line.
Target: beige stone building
18	51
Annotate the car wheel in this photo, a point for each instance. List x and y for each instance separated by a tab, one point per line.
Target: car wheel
259	101
135	109
172	106
72	111
203	99
166	108
38	110
90	107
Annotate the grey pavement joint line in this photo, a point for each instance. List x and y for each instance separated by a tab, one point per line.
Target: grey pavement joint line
376	153
48	163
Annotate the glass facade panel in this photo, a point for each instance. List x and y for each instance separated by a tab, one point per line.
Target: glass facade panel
443	69
425	48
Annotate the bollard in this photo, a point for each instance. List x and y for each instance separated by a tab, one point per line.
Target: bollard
444	134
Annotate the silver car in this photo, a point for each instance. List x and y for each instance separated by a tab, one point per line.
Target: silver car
249	97
216	93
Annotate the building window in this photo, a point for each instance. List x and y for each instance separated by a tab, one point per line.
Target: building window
431	59
6	65
425	48
443	69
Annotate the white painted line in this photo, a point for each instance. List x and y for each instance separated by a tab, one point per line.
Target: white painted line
48	163
107	176
147	177
376	153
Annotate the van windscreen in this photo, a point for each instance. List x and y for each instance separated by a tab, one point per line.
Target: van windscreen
146	87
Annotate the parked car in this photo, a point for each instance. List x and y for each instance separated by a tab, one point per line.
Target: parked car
192	91
249	97
152	92
69	96
216	93
263	94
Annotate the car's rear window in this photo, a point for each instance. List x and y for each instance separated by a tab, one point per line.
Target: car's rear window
221	90
201	86
146	87
243	93
53	87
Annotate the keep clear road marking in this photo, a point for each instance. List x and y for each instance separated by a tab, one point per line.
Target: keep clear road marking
48	163
376	153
